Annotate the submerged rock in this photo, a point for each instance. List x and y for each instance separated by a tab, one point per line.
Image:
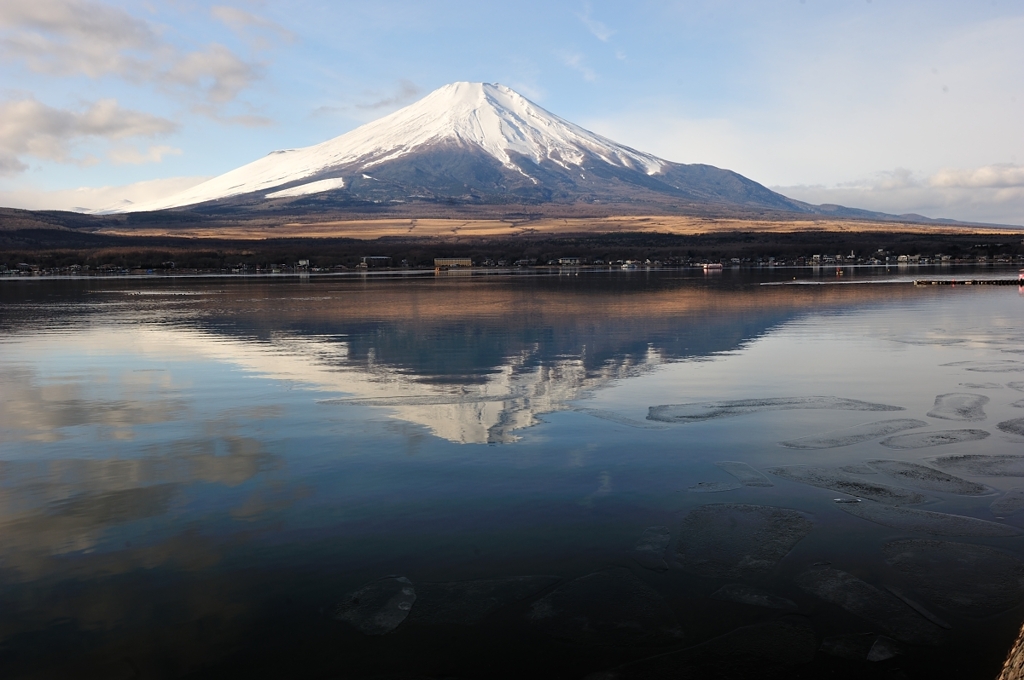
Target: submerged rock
650	549
971	580
468	602
959	406
923	440
710	410
928	478
610	607
878	607
744	594
1000	465
854	435
737	541
844	482
378	607
926	521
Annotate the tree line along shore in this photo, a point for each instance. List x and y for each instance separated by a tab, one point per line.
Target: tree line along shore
61	252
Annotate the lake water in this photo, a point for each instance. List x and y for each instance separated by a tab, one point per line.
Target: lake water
596	474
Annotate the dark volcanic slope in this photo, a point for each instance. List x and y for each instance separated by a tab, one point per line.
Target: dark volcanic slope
462	175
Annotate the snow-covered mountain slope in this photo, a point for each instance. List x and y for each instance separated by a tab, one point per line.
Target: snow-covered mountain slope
481	117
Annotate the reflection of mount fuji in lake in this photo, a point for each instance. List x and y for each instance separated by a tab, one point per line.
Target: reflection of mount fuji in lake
475	360
471	359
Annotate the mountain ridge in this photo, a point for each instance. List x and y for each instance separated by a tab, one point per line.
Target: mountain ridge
482	147
473	143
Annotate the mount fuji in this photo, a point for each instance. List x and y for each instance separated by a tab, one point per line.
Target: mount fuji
472	143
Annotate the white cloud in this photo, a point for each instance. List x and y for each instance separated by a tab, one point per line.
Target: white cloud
30	128
216	71
80	37
96	198
64	37
993	193
990	176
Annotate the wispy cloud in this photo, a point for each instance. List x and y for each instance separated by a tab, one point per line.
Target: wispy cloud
597	28
406	92
30	128
130	155
577	62
96	198
259	31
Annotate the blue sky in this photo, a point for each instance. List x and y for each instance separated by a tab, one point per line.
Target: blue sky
897	106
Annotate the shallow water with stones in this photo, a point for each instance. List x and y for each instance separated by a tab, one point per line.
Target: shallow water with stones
579	474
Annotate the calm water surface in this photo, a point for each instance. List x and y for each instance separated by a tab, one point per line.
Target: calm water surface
510	476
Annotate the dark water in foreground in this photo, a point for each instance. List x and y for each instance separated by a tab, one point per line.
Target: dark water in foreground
620	474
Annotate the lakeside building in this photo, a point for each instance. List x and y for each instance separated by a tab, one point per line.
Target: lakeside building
449	262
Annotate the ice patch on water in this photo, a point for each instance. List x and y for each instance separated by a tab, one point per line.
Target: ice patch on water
746	474
970	580
713	487
928	478
765	650
926	521
982	386
378	607
924	440
1002	465
468	602
1015	426
1009	503
710	410
862	599
959	406
650	549
992	366
860	647
744	594
618	418
610	607
844	482
854	435
737	541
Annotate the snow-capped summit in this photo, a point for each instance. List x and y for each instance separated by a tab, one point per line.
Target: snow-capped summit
473	141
